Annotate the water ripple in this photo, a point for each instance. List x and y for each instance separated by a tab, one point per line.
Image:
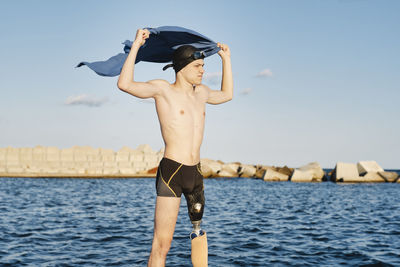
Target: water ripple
109	222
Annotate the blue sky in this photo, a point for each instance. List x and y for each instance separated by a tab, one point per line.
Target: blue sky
314	80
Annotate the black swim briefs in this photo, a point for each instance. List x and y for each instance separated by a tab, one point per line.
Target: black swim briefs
174	178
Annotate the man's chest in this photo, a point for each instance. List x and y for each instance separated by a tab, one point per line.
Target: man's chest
185	105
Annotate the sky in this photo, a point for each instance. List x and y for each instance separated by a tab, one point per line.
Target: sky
313	80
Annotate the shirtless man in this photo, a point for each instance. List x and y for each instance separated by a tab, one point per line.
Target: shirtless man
181	112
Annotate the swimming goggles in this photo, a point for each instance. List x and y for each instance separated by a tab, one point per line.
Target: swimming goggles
198	55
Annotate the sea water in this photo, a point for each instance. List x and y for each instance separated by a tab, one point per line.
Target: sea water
249	222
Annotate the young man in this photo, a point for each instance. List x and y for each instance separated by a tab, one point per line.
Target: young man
181	112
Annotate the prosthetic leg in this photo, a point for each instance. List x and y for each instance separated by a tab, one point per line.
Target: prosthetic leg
195	202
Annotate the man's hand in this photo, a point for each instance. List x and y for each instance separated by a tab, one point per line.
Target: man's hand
225	51
141	36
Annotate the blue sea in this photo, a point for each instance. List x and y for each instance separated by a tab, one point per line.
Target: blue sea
249	222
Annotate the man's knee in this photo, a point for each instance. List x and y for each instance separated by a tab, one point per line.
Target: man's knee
161	245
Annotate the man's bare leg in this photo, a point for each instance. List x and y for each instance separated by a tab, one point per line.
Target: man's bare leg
166	213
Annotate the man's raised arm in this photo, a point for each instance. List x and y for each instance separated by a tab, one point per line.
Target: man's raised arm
126	82
226	92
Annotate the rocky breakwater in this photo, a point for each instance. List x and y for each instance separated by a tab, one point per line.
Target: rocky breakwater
362	172
311	172
78	161
216	168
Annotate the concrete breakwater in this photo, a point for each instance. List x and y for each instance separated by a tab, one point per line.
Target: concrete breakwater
87	162
78	161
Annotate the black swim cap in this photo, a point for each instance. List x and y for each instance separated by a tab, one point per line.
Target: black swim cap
184	55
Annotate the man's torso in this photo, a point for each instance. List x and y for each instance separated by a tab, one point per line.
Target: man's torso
182	116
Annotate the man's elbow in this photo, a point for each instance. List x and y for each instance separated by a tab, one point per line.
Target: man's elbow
229	97
123	86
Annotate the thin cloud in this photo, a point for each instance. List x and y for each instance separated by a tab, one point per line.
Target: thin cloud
264	73
246	91
212	77
85	100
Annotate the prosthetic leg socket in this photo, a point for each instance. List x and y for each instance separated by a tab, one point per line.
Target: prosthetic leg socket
200	251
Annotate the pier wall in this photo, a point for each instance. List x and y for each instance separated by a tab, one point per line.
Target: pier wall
78	161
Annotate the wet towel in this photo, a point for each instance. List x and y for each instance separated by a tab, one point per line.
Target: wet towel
159	47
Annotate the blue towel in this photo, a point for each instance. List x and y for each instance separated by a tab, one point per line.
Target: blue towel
159	47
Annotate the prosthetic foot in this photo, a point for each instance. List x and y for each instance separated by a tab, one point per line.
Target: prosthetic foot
195	202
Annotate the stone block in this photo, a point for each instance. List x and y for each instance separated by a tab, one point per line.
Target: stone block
122	156
80	156
27	163
150	157
94	158
110	171
3	154
139	170
312	172
51	171
40	165
32	170
93	171
206	170
10	149
3	169
215	166
25	154
12	155
229	170
151	165
127	171
247	171
105	151
67	155
53	157
368	166
81	164
136	156
315	169
52	154
95	164
373	177
159	157
389	177
145	149
90	151
261	169
110	164
14	169
346	172
12	163
108	157
68	172
271	175
124	164
39	153
141	165
52	164
302	176
82	171
67	164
